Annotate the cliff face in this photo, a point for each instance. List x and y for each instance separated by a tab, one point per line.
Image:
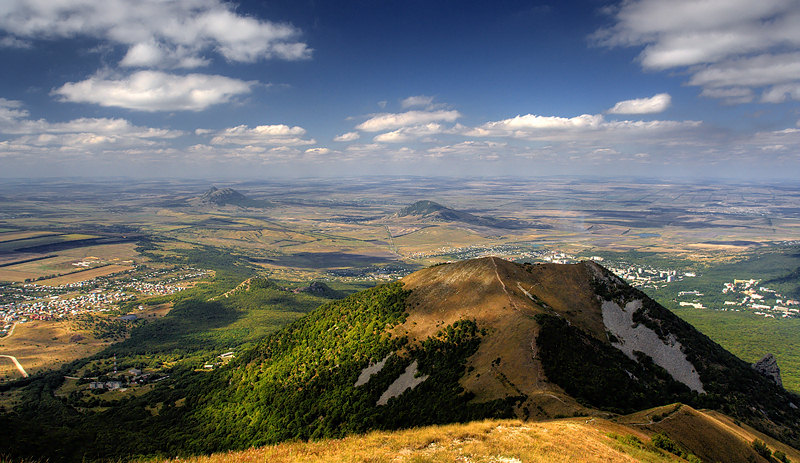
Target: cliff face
768	366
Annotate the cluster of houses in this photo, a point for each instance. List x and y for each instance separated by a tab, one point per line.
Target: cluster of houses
22	303
130	378
55	307
764	301
152	289
223	359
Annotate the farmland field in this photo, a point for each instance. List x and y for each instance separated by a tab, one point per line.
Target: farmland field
84	275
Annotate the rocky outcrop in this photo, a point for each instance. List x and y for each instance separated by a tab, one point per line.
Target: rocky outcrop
768	366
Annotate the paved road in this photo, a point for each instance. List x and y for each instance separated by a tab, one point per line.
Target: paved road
16	362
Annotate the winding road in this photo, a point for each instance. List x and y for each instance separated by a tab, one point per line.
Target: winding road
18	365
14	359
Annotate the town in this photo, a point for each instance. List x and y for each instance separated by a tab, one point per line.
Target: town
762	300
20	303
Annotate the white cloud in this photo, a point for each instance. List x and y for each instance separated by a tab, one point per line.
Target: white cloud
165	34
779	93
13	42
278	134
721	43
416	101
348	136
655	104
757	71
318	151
522	126
155	91
731	95
472	149
390	121
11	112
406	134
583	128
84	136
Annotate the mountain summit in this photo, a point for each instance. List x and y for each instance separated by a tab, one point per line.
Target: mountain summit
477	339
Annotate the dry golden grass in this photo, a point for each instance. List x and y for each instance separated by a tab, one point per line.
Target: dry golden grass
61	264
41	345
507	441
710	435
495	293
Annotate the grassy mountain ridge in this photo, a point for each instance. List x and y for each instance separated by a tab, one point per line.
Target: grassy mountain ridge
494	339
702	434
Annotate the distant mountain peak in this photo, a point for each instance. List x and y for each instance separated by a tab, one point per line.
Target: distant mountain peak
434	212
422	208
229	196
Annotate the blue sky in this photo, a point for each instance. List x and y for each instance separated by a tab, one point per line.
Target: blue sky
215	89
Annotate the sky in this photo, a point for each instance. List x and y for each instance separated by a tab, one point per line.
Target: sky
304	88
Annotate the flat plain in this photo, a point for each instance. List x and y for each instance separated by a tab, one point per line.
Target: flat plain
348	231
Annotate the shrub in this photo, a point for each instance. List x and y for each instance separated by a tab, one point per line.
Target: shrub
663	442
780	456
761	448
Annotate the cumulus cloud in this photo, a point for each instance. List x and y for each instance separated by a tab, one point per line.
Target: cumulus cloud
779	93
318	151
392	121
278	134
155	91
348	136
655	104
731	44
84	136
486	150
585	127
417	101
164	34
406	134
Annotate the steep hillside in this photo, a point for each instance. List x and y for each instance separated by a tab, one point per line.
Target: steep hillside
480	339
474	340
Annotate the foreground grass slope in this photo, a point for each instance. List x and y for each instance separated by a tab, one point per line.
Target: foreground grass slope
484	441
698	435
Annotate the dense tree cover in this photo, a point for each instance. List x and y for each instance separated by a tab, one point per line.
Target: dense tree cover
195	331
299	383
599	374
